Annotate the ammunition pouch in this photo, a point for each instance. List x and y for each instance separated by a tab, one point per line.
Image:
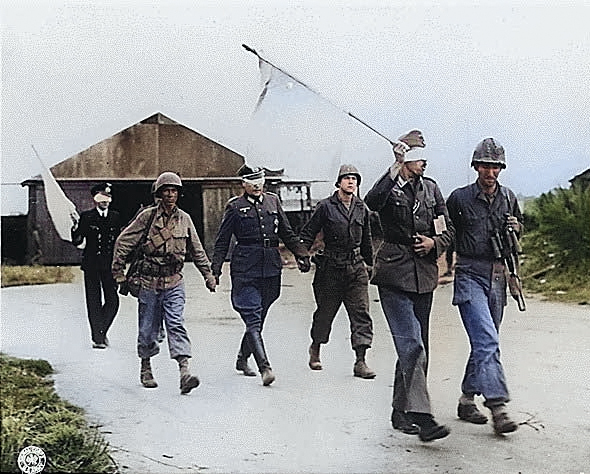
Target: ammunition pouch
154	270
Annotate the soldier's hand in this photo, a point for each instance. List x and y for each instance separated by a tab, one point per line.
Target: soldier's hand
399	151
369	271
512	221
422	245
211	283
119	278
304	264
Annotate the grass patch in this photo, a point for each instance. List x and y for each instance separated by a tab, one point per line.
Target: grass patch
560	285
35	275
33	414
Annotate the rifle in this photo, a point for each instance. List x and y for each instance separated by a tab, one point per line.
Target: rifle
506	247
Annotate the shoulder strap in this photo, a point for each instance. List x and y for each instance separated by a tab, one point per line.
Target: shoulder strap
148	227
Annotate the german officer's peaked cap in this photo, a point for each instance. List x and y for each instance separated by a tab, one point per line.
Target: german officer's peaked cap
247	172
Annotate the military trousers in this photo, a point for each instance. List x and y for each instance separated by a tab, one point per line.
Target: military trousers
408	317
337	285
155	306
102	301
252	298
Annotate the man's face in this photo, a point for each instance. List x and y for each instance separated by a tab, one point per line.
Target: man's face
416	168
487	174
102	205
169	195
253	188
348	184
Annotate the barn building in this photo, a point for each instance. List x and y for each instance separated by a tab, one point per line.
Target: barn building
131	160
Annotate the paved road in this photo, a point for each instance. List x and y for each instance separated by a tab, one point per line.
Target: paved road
308	422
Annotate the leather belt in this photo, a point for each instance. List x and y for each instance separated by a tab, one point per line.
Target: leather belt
266	243
340	255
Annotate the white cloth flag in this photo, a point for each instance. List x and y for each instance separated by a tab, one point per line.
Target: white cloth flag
294	128
62	211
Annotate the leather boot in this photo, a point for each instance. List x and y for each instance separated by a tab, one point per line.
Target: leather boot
467	411
429	428
256	345
242	360
401	421
314	357
242	366
361	369
187	381
267	377
502	422
145	374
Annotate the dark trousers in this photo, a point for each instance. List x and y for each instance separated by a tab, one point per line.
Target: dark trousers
99	283
408	316
333	286
252	298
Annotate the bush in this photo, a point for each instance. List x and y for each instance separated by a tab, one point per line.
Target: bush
557	243
33	414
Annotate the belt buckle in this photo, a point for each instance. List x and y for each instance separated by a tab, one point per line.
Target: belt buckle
266	243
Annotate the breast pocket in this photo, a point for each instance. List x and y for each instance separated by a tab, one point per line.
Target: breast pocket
271	222
400	206
249	224
425	223
356	229
179	238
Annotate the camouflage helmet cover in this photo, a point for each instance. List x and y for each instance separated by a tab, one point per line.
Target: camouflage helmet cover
489	151
348	170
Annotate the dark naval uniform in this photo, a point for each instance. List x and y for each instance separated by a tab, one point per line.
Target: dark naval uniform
341	269
257	223
100	234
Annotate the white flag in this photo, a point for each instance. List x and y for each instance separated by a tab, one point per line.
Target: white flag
62	211
295	128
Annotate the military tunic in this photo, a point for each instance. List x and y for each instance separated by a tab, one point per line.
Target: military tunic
405	280
341	274
257	224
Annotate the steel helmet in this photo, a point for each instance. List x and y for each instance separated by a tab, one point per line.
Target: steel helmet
346	170
168	178
489	151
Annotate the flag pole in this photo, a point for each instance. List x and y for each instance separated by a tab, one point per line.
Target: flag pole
351	115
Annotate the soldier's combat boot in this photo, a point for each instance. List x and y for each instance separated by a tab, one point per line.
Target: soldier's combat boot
502	422
243	356
242	366
467	411
267	377
187	381
429	428
361	369
314	357
146	376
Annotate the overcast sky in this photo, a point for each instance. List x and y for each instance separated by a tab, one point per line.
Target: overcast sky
75	73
